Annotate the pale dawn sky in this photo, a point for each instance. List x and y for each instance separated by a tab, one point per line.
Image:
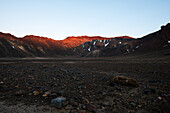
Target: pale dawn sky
58	19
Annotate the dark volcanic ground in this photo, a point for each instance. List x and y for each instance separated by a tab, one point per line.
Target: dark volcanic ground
29	85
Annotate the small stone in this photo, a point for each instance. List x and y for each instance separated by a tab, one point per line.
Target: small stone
58	102
123	80
2	97
139	106
160	98
73	77
79	87
29	88
30	94
44	66
133	104
53	94
106	103
54	65
35	93
47	93
60	92
44	95
152	90
20	92
99	111
87	101
111	84
73	103
91	107
104	93
73	111
103	78
4	89
152	81
68	107
54	78
81	111
78	108
17	86
102	107
1	82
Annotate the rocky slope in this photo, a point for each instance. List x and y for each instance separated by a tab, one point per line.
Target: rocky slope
109	47
154	41
118	46
29	46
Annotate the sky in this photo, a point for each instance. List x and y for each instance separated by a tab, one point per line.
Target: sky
58	19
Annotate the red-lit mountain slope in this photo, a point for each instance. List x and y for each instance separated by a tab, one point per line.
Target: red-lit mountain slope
73	41
30	45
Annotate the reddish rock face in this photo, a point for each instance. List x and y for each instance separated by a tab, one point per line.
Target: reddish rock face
73	41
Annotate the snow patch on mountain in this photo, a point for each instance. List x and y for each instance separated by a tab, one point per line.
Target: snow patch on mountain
137	47
89	49
106	44
94	43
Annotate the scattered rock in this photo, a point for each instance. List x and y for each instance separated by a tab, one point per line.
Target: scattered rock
152	90
60	92
17	86
91	107
44	95
152	81
2	97
1	82
160	98
58	102
20	92
73	103
53	94
35	93
73	111
47	93
122	80
139	106
86	101
99	111
29	88
133	104
111	83
106	103
82	111
68	107
4	89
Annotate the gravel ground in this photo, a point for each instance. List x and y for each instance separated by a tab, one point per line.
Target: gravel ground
87	84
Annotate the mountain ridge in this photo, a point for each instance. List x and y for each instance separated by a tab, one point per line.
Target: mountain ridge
38	46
